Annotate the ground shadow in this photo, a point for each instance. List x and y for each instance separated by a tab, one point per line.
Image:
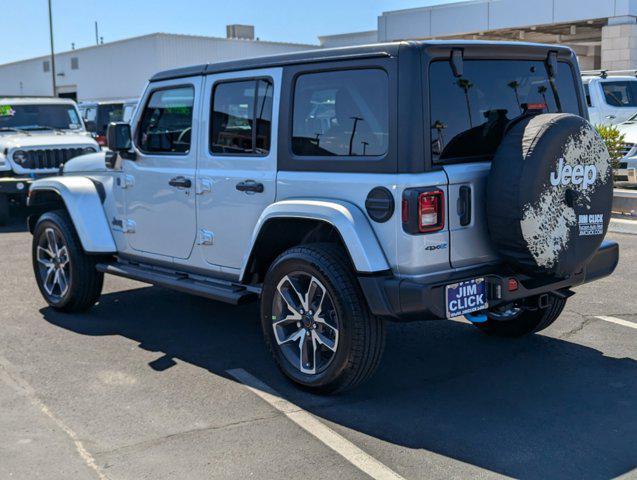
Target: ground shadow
17	221
533	408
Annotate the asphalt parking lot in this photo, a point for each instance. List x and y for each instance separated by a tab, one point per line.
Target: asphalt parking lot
151	384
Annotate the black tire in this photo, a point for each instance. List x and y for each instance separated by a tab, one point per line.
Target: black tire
84	282
360	335
4	209
529	321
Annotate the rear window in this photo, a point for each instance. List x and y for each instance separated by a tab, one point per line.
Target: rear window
469	114
620	93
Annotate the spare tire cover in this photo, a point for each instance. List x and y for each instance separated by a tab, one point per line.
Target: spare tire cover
549	194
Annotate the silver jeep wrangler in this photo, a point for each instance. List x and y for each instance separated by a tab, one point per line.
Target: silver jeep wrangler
343	188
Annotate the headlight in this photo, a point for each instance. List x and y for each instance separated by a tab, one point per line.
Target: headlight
20	157
86	150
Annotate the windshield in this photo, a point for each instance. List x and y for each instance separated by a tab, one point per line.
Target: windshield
469	114
36	117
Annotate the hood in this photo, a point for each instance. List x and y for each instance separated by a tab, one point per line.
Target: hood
48	138
91	162
629	130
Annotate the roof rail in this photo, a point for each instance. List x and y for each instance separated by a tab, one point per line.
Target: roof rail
609	73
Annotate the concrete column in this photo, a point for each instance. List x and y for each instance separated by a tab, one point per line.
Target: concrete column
619	44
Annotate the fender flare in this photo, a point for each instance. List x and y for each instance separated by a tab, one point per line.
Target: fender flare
350	222
84	205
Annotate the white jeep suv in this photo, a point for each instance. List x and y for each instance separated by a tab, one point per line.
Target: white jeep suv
37	136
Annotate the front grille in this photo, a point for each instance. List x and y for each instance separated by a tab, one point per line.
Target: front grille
626	148
49	158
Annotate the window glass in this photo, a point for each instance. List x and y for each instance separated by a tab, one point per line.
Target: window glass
107	113
343	113
587	93
166	124
469	114
128	113
621	93
236	108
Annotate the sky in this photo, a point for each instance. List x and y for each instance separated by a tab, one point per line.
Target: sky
24	27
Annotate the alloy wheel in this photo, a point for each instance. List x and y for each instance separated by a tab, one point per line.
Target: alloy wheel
305	322
53	263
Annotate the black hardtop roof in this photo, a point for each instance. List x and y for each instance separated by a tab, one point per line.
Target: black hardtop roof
342	53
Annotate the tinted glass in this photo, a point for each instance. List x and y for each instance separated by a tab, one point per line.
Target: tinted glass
469	114
587	93
236	108
621	93
343	113
166	124
39	117
111	112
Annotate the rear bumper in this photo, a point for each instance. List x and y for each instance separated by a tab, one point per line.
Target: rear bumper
15	185
407	299
626	176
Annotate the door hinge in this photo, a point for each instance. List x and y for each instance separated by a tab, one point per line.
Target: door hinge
125	181
205	237
203	186
129	226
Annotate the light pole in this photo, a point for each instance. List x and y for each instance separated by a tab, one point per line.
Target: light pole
52	50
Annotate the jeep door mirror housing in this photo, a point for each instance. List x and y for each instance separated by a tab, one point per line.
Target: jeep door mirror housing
119	139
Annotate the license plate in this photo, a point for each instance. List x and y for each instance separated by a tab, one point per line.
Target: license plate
466	297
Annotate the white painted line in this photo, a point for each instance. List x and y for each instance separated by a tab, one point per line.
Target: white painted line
315	427
621	225
618	321
9	376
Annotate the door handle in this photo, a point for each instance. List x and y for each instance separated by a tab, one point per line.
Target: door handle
250	186
180	182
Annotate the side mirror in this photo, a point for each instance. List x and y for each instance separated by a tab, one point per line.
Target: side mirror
119	139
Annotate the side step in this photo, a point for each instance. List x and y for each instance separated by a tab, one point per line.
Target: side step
208	288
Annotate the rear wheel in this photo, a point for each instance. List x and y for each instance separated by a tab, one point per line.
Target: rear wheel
65	274
4	209
523	322
316	322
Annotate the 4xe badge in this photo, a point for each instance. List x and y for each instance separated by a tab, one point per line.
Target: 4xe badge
584	175
438	246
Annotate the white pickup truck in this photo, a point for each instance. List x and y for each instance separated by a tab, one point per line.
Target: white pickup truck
611	97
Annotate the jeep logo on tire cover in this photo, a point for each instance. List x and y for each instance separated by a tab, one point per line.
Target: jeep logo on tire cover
584	175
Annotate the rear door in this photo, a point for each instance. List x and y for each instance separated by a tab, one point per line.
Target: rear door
469	115
237	162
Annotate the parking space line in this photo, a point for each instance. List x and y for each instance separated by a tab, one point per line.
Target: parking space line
618	321
316	428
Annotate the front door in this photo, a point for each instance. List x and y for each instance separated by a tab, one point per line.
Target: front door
160	182
237	161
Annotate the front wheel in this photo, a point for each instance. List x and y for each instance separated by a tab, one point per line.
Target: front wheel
524	323
315	320
65	274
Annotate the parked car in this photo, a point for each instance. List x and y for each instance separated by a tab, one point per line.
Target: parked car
611	97
97	115
626	173
37	135
342	188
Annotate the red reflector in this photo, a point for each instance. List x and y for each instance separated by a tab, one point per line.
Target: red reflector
101	140
431	217
405	211
536	106
513	285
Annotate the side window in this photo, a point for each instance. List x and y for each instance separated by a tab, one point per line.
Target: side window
341	113
166	123
621	93
241	117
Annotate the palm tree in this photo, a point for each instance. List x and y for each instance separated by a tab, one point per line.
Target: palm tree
515	85
466	85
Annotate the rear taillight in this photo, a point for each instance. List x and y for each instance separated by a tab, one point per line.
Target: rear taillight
101	140
423	210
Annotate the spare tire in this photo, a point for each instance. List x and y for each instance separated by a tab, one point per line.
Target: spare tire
549	194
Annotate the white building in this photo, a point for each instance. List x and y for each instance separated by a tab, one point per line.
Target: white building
120	69
603	33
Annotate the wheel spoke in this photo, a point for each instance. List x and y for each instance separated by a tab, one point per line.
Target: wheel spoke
299	334
315	296
63	255
307	354
323	340
291	296
41	253
60	279
52	241
49	281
